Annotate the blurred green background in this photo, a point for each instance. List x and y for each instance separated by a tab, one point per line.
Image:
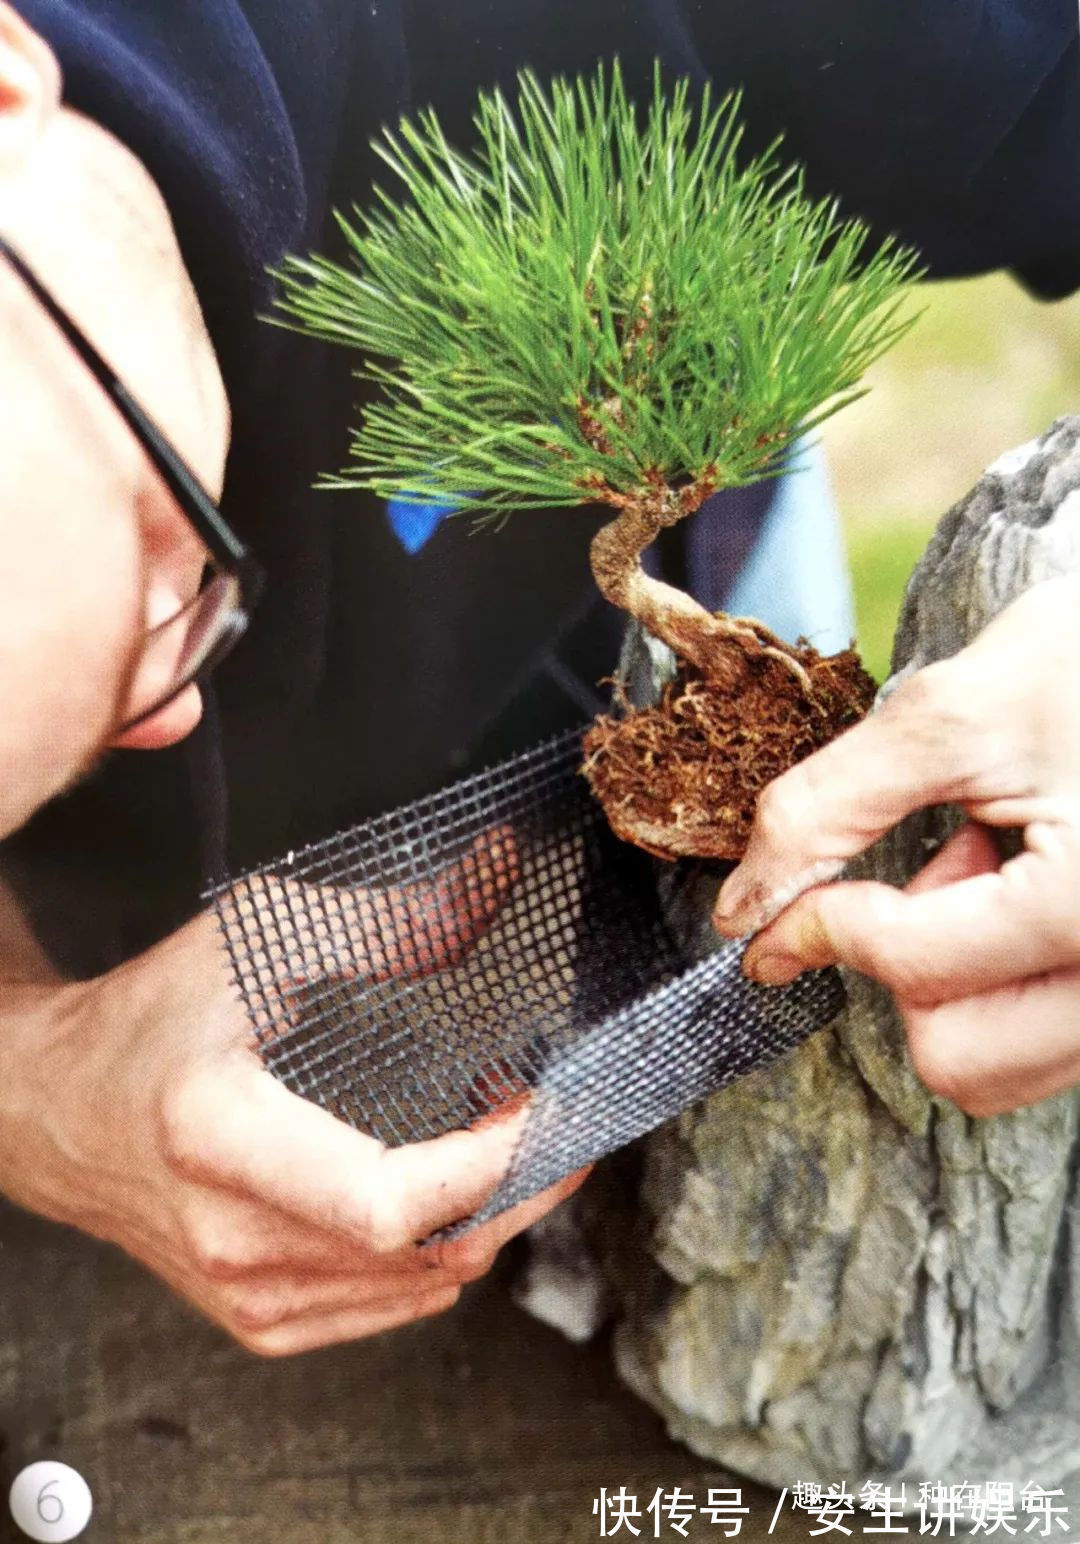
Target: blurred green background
984	368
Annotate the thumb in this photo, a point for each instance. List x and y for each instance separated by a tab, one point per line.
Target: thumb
964	926
864	924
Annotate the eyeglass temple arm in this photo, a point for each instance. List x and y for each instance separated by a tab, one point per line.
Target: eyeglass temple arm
173	469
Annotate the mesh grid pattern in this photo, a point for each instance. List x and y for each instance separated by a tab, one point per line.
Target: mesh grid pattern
488	945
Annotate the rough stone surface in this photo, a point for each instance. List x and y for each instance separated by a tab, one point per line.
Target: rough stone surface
833	1275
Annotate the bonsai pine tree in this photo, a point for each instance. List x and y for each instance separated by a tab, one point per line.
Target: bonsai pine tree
606	304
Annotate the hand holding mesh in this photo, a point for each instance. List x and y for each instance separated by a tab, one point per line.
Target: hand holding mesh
136	1107
569	1000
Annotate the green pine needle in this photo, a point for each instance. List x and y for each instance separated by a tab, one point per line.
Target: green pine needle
595	298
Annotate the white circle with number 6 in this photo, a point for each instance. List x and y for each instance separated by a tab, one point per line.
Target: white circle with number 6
50	1502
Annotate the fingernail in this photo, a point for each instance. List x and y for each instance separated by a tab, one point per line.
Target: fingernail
727	924
770	968
728	908
740	906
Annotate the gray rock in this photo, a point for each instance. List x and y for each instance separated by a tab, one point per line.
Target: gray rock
836	1276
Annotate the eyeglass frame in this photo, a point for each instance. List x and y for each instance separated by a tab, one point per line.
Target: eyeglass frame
228	554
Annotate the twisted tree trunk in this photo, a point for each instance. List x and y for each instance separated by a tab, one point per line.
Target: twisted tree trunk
718	645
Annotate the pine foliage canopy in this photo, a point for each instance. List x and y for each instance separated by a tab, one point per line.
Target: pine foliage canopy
596	297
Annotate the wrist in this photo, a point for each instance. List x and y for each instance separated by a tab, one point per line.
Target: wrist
43	1046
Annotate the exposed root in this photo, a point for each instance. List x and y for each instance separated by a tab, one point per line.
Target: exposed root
747	628
682	779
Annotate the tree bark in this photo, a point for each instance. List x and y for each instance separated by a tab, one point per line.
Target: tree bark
718	645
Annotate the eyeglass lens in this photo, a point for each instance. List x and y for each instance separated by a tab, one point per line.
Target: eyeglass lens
188	643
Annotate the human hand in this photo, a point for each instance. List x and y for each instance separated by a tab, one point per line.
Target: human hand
982	956
136	1108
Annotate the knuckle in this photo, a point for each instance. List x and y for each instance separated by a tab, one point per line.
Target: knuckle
212	1251
910	979
381	1227
927	693
214	1261
183	1131
442	1302
252	1315
783	811
905	970
941	1070
468	1261
940	707
178	1136
270	1344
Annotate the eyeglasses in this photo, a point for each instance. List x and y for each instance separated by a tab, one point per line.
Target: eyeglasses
199	636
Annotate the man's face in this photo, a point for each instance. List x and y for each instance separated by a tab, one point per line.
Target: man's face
93	550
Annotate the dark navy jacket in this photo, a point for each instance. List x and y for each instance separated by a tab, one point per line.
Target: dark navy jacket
369	675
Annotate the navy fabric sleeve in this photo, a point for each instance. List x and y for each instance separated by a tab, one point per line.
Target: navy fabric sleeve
1035	175
953	123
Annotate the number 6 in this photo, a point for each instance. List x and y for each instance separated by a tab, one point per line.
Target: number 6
54	1504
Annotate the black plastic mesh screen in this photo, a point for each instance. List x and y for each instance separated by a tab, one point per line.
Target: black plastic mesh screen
493	943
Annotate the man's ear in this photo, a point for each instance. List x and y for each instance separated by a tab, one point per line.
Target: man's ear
29	85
